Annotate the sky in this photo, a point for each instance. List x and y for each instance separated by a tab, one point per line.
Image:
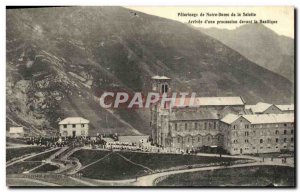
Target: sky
283	15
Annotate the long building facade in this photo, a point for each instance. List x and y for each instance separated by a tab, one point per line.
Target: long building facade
205	123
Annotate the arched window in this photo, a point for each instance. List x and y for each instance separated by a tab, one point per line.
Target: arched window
166	88
162	88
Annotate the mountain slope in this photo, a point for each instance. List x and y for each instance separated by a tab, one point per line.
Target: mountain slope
261	45
59	60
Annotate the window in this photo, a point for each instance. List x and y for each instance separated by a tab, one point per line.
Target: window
188	139
246	126
246	141
284	132
234	126
82	125
215	125
269	140
65	126
208	138
292	139
198	139
73	125
284	140
276	132
175	126
261	140
292	131
178	139
196	125
205	125
276	140
185	126
246	133
284	124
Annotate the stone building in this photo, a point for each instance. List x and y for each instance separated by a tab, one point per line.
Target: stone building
74	127
219	121
184	126
263	133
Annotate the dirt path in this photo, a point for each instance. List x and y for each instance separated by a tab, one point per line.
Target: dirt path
28	157
82	181
95	162
140	165
149	180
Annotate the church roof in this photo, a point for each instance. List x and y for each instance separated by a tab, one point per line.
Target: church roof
208	101
194	115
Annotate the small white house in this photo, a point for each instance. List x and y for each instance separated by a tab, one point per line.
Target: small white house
74	127
16	132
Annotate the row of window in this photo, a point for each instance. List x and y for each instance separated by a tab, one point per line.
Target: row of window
74	125
246	126
269	140
285	132
179	139
65	133
246	148
197	125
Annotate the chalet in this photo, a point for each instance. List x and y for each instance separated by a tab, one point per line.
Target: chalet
74	127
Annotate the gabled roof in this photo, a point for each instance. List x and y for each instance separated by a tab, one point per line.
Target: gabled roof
286	107
73	120
261	118
270	118
260	107
230	118
208	101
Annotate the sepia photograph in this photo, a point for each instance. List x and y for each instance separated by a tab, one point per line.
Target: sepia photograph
150	96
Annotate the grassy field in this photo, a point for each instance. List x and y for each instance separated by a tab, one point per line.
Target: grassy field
128	165
45	168
88	156
164	161
20	167
42	156
18	152
244	176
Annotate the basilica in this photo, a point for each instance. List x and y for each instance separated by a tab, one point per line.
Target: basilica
220	121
